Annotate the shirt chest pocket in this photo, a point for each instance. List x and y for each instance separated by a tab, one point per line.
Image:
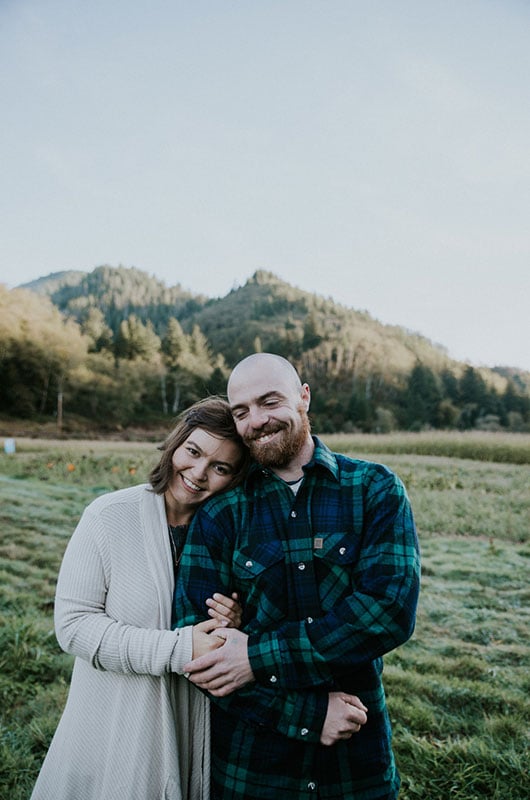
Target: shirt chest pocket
259	572
335	559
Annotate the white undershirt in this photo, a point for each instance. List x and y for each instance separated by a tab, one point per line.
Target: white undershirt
295	485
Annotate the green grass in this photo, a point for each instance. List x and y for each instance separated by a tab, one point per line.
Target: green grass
512	448
458	690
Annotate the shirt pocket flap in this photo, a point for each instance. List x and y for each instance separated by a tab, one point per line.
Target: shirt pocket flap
250	562
337	548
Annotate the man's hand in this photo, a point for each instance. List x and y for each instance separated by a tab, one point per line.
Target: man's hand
345	716
226	669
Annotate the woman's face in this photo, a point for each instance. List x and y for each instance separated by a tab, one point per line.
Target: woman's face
203	465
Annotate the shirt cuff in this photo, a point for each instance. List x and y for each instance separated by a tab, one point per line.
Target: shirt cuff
265	658
307	715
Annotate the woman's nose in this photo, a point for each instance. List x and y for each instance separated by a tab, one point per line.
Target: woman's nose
200	470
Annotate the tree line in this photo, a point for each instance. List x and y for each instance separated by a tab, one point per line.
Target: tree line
126	370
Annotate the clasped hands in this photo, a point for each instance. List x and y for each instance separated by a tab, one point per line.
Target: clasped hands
220	662
220	665
226	667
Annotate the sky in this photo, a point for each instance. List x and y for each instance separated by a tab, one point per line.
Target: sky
372	152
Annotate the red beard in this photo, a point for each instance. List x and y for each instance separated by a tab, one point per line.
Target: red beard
285	447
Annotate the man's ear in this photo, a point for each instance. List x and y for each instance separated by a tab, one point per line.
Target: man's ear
305	395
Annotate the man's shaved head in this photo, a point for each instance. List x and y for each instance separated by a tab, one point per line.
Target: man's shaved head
268	363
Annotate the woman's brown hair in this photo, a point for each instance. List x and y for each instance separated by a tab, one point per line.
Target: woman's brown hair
212	415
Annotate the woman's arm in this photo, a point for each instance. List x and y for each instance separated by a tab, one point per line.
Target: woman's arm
86	629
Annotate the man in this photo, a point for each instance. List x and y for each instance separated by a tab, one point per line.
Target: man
323	552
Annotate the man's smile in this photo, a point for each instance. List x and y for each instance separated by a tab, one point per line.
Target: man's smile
265	436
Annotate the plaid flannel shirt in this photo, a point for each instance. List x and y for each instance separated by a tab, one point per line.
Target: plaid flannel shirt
329	582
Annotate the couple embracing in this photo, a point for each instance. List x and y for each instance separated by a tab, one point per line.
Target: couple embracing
229	618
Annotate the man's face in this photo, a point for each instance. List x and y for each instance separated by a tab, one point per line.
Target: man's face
270	412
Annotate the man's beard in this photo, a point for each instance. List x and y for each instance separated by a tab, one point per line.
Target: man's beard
287	446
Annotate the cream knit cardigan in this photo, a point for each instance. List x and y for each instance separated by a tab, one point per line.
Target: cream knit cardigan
132	729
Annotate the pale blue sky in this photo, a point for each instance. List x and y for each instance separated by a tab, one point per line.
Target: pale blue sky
374	152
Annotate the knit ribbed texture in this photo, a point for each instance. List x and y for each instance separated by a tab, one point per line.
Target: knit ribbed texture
132	729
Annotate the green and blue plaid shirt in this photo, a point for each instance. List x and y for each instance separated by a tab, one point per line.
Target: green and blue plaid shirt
329	582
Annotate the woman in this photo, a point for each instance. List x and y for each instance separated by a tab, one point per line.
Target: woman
132	729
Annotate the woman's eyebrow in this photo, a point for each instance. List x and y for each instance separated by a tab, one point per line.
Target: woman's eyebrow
201	451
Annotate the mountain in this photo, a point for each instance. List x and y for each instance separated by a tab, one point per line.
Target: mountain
52	283
147	341
265	313
117	292
271	315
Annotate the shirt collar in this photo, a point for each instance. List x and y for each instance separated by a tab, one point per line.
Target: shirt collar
323	458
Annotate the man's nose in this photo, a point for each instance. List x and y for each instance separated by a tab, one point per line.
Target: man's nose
258	417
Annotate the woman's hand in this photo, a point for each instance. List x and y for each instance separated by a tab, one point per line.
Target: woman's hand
226	610
204	638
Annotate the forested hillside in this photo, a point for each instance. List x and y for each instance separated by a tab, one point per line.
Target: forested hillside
118	347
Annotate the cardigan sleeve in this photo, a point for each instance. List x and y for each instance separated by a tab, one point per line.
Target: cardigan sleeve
83	626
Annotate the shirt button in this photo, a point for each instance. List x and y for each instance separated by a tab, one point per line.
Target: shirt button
293	514
311	786
273	679
249	564
310	620
301	565
304	731
342	550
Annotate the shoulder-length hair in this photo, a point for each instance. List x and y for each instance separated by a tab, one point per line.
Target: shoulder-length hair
212	415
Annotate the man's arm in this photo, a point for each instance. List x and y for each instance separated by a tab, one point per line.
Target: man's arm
345	713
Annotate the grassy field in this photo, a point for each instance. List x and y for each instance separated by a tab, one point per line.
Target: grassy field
458	690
